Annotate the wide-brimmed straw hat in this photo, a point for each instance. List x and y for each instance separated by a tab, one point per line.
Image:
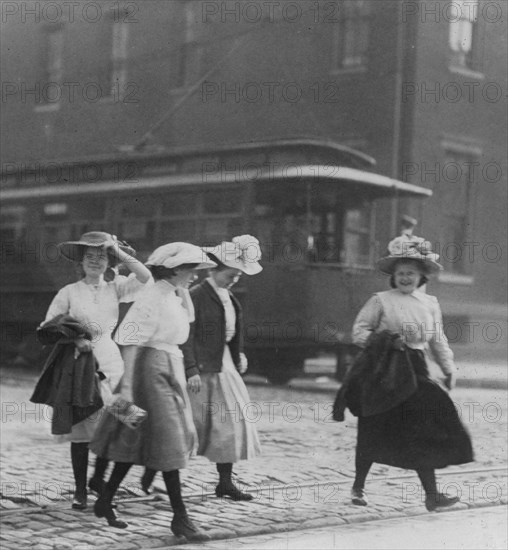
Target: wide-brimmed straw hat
73	250
410	248
175	254
243	253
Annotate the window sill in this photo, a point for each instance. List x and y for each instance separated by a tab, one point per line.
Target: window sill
455	278
465	71
47	108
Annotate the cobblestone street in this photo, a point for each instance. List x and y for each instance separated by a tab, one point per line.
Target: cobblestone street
301	481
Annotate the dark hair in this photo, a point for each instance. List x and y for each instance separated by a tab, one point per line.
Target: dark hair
81	255
160	272
220	266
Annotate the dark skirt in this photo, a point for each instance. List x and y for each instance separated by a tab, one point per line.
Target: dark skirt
423	432
164	441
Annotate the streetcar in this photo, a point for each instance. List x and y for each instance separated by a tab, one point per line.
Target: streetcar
316	207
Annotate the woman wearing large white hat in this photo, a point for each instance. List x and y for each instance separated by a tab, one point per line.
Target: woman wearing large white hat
150	333
214	360
94	302
422	431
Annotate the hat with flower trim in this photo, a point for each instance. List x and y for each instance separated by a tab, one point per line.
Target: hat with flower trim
410	248
242	253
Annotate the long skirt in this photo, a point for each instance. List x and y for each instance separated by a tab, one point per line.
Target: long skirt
221	412
423	432
165	439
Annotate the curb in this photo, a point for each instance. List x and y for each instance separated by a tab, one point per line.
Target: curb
365	517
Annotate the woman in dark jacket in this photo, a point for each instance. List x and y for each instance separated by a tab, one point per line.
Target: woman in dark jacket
214	360
423	432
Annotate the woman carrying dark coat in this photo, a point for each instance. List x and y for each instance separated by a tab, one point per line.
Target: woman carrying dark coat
214	360
150	333
93	301
423	432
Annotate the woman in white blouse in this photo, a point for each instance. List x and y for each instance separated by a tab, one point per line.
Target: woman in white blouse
150	333
93	301
424	432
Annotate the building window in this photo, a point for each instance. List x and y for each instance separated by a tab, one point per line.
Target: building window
455	205
112	72
191	54
356	248
352	34
463	33
51	65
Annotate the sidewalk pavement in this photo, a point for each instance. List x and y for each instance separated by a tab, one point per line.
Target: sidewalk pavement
301	481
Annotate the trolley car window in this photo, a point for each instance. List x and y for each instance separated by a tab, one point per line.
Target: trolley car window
222	202
179	204
356	237
88	209
220	229
178	230
139	234
139	207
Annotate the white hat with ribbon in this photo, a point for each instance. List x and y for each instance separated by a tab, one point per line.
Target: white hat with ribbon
242	253
175	254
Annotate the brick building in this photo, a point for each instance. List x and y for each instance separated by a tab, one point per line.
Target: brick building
419	85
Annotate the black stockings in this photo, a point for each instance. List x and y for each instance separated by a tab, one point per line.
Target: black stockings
118	474
428	479
79	458
362	467
172	481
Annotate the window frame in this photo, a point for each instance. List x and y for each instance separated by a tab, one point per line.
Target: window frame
351	19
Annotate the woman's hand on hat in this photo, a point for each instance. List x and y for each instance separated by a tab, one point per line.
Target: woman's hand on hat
111	243
194	383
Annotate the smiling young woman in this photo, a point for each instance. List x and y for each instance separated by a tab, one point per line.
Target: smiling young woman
93	301
410	434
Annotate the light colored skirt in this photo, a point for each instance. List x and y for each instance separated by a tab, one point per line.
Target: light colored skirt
164	441
219	409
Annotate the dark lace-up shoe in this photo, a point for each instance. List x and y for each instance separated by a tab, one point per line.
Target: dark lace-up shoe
358	497
182	526
439	500
231	491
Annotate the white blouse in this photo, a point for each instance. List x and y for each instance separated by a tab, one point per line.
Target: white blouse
96	307
157	319
229	308
416	317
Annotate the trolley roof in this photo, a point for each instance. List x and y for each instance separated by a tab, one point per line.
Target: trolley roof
339	175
